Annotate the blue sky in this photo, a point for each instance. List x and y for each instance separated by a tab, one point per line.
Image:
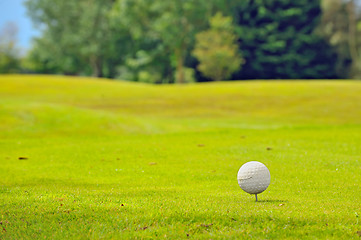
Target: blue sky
14	11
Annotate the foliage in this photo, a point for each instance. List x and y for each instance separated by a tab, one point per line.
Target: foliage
341	26
153	40
217	49
334	27
189	75
120	160
165	29
9	51
72	42
278	41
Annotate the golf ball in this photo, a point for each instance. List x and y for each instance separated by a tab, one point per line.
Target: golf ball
253	177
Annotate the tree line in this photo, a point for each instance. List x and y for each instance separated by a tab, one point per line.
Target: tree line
190	40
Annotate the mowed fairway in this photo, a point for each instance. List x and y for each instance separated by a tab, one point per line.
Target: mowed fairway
97	159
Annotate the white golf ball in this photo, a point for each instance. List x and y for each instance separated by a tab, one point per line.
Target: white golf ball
253	177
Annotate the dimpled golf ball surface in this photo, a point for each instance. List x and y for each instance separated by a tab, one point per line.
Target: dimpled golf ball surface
253	177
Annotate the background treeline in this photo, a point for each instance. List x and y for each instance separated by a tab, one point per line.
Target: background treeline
190	40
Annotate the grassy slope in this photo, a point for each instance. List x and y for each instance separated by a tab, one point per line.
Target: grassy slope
123	160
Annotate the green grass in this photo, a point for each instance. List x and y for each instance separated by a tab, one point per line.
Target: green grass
119	160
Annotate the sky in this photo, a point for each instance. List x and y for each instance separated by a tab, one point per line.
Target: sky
15	11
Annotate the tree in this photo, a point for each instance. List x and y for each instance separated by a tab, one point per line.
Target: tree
217	49
145	53
354	37
177	24
44	58
77	35
9	52
341	27
334	28
167	26
152	41
278	40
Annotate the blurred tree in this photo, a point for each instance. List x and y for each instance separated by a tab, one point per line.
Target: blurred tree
278	41
341	27
9	52
354	37
145	54
178	23
152	41
334	27
77	36
168	27
41	59
217	49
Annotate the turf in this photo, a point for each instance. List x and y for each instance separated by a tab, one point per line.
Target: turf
97	159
